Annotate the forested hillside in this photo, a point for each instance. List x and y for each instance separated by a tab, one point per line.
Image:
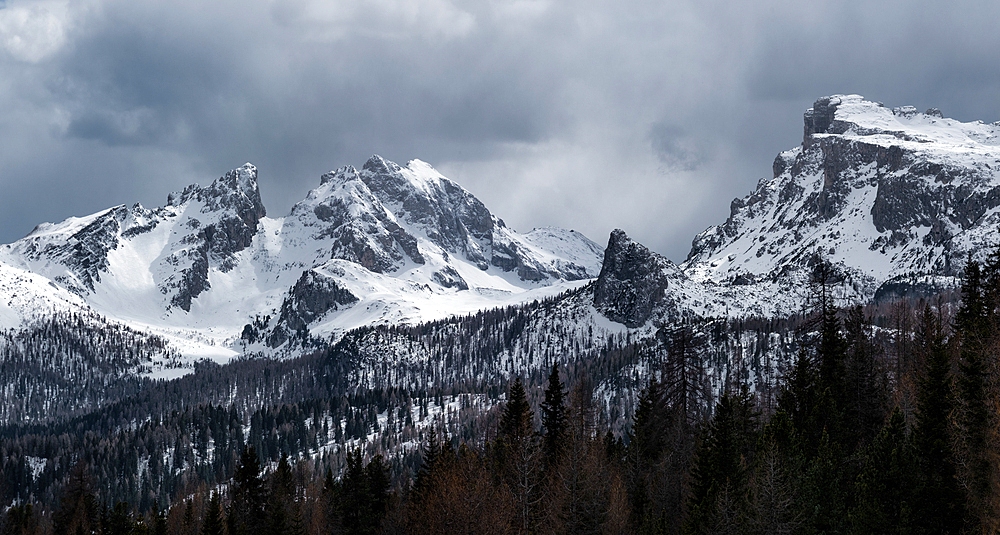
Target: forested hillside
838	420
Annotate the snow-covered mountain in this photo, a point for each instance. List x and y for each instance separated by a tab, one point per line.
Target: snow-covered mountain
895	199
210	272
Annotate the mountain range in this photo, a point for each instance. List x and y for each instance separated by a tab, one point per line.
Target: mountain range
385	244
895	200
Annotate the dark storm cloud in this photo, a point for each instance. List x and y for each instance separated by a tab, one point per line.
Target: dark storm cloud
589	116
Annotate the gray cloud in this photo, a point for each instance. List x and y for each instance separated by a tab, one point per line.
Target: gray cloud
650	118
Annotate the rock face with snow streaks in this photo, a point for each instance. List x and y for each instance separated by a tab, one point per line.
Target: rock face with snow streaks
400	244
883	192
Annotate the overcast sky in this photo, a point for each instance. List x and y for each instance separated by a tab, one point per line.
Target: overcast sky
650	116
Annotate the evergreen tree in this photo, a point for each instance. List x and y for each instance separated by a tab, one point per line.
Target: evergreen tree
249	496
646	438
516	421
720	487
364	494
520	457
20	520
658	460
118	520
158	522
973	327
78	510
554	419
938	505
885	485
799	400
866	397
377	475
213	524
423	481
280	498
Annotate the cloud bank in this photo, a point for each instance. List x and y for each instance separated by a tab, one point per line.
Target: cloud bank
591	115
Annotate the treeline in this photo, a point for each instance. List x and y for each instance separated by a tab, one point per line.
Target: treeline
69	363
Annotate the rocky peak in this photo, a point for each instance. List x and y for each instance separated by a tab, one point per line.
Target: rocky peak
882	191
226	224
633	281
339	175
379	165
237	190
354	224
446	213
818	118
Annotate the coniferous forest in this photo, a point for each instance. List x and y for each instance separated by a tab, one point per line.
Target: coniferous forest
881	419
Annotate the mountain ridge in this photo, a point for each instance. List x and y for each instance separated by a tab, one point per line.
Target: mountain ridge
894	199
405	243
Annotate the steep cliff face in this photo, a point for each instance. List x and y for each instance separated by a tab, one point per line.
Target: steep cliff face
222	220
885	193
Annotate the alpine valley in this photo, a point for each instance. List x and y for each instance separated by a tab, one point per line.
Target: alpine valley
391	302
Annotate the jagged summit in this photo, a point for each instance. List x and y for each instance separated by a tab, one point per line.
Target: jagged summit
381	244
237	188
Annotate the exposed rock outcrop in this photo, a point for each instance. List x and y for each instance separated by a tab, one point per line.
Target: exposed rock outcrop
633	281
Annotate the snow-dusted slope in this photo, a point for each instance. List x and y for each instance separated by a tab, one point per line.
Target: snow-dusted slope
885	194
384	244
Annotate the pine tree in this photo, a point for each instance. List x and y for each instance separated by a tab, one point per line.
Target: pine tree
280	498
377	475
972	325
721	470
118	520
646	438
159	520
423	482
866	397
516	421
78	510
885	484
520	457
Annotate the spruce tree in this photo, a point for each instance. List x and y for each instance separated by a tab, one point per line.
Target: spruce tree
938	505
520	457
721	471
280	498
213	524
972	325
866	389
516	421
554	419
158	521
884	488
78	510
249	498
